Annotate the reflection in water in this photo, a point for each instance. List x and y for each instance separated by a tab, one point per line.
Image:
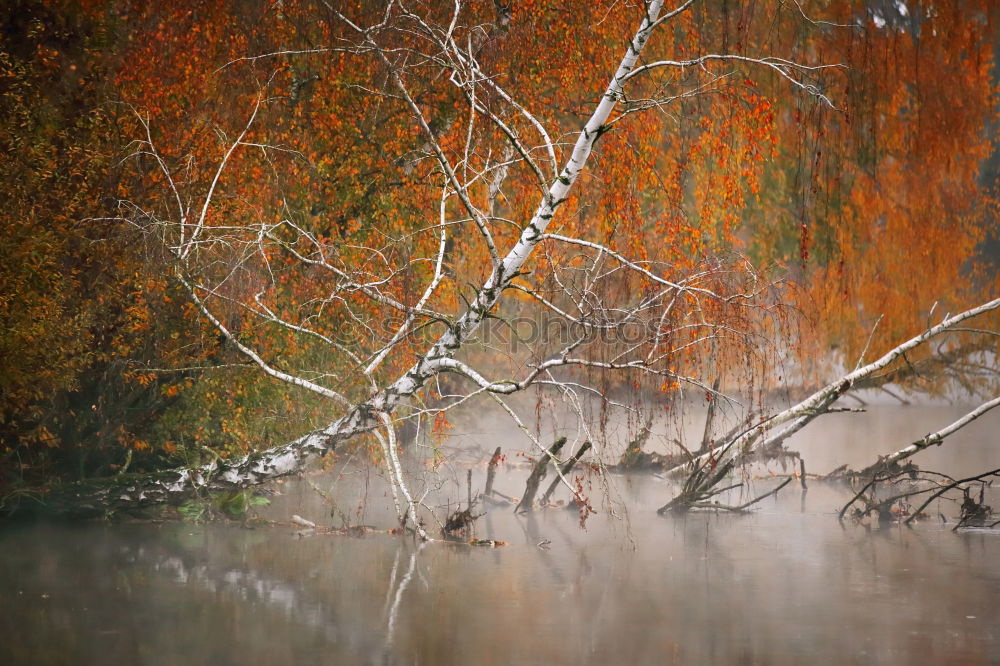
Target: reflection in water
400	589
786	585
777	587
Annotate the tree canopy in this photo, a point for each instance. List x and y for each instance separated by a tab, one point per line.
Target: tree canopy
201	191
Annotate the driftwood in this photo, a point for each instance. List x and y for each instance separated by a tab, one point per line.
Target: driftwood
303	522
536	476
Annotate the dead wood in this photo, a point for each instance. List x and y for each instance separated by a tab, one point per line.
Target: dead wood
460	523
536	476
740	508
700	485
634	459
564	471
955	484
491	472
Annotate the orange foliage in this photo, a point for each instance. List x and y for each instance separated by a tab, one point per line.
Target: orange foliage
854	201
885	195
874	209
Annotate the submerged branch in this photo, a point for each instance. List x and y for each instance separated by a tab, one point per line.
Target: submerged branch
746	505
951	486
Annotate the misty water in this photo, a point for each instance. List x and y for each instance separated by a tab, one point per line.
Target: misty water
787	584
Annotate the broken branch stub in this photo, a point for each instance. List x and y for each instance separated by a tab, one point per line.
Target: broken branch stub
491	472
564	471
536	476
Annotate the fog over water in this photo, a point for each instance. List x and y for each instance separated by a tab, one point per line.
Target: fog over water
786	584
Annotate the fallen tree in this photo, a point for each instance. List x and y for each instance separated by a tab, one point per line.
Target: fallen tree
896	506
707	471
772	431
892	460
201	248
398	314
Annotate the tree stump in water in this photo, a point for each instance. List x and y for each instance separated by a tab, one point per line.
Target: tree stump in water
564	471
536	476
491	471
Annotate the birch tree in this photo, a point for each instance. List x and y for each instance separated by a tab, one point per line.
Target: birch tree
501	214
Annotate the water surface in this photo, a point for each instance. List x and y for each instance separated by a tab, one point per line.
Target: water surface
785	585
